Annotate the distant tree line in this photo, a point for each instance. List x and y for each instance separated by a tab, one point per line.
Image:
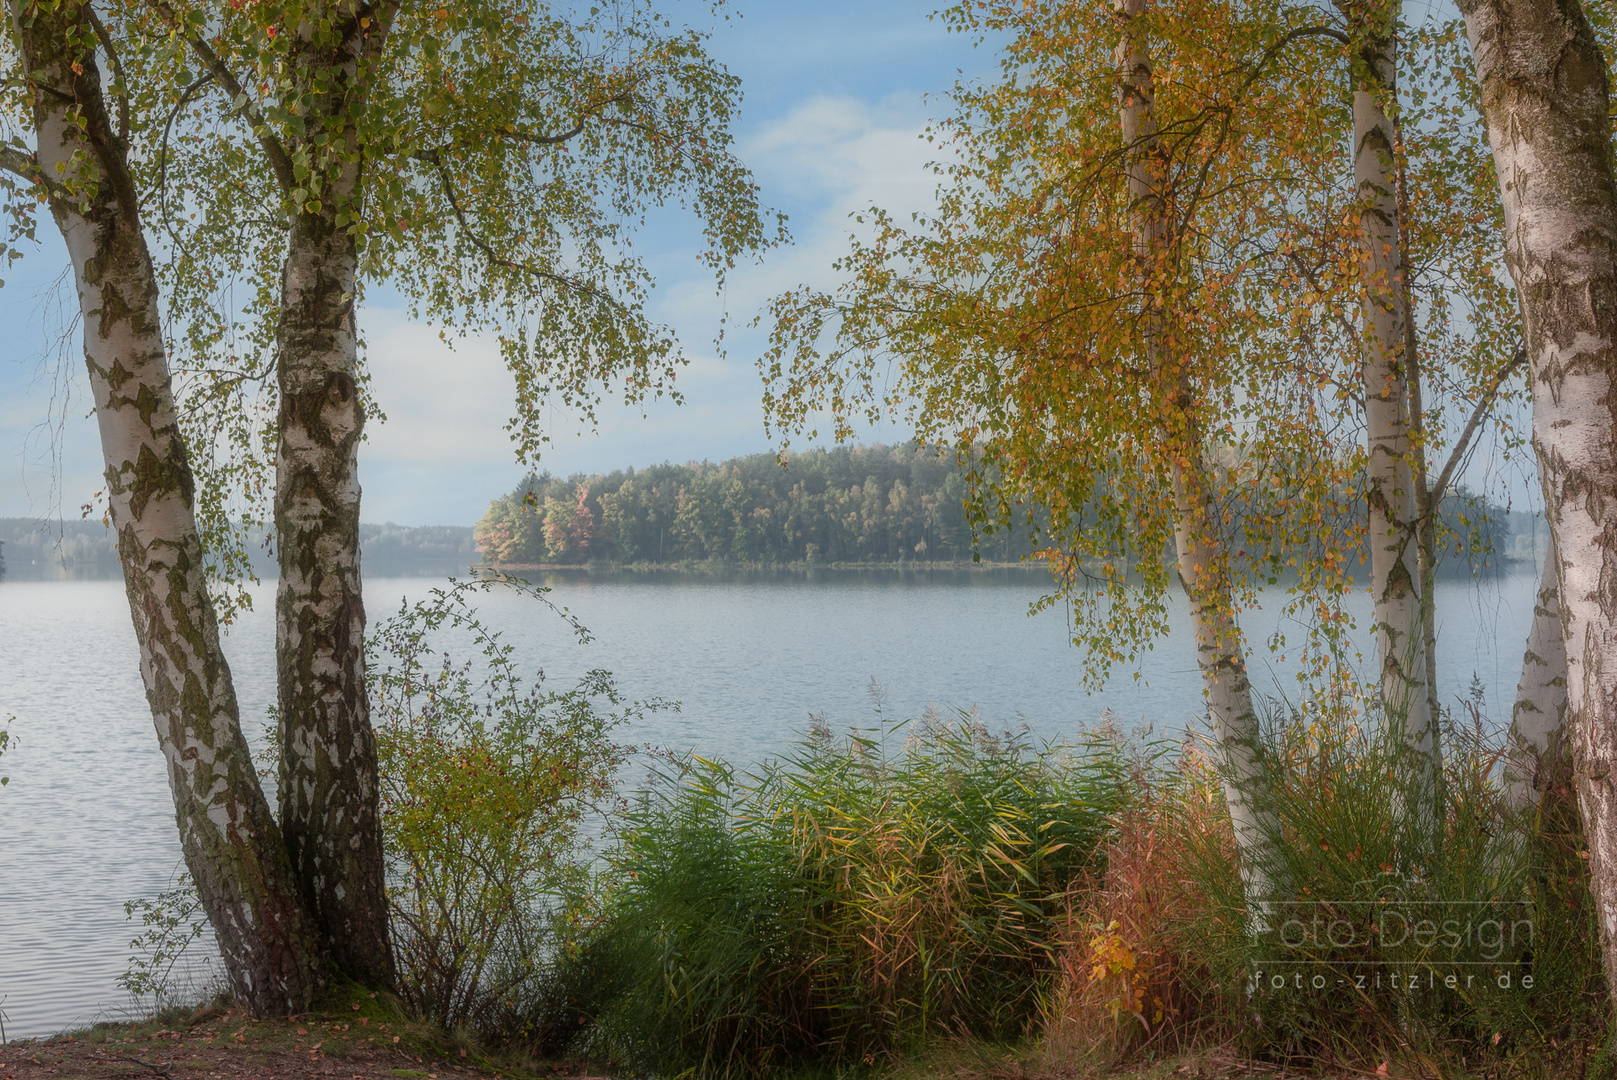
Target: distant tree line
88	546
90	549
849	504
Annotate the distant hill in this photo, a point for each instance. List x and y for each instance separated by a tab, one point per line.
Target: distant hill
404	543
39	549
34	549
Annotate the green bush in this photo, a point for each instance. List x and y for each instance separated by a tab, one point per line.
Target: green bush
157	975
486	779
852	899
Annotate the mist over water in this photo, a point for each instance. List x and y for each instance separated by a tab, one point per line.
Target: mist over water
87	822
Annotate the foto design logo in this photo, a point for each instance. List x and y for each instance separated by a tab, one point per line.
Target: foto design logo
1392	942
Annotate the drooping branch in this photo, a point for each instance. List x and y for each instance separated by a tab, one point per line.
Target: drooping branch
561	281
1286	39
162	146
584	117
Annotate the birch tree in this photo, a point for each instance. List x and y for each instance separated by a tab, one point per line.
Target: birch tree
352	143
1427	239
1082	313
79	168
1546	99
1386	328
490	158
1180	338
1203	564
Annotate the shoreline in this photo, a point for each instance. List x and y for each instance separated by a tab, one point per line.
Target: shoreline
715	566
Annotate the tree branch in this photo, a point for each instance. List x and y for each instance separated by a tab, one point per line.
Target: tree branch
162	148
584	118
280	161
122	97
432	158
1298	34
1478	415
23	163
546	140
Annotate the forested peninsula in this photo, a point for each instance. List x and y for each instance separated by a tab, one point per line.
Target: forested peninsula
875	504
851	504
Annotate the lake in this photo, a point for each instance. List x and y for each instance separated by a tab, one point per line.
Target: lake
87	821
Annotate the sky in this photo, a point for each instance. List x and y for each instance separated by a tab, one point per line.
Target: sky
835	100
836	96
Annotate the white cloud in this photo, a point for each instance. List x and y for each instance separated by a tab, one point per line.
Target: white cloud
843	153
837	157
444	453
446	405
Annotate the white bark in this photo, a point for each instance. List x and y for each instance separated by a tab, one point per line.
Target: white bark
329	787
231	844
1536	722
1202	561
1396	577
1546	102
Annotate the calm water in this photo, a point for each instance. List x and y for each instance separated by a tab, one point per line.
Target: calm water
86	822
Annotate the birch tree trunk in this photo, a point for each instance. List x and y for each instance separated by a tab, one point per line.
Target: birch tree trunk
231	844
328	782
1533	752
329	787
1202	561
1427	502
1397	578
1545	100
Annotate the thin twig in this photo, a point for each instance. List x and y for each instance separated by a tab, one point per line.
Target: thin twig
161	1069
162	149
432	158
1478	415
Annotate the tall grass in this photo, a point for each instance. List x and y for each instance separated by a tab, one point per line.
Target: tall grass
852	899
1433	941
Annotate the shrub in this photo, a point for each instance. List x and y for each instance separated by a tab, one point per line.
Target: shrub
163	973
849	900
486	779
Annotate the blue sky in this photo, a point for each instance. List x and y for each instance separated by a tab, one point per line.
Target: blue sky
836	97
835	101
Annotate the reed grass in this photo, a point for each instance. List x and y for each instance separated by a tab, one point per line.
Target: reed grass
914	889
1160	957
849	901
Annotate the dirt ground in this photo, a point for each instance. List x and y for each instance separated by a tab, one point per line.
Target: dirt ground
218	1044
